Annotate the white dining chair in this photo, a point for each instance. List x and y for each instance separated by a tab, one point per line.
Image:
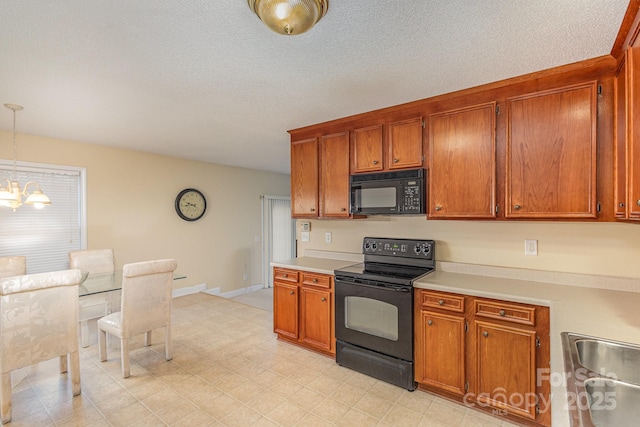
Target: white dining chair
13	266
92	306
146	305
39	322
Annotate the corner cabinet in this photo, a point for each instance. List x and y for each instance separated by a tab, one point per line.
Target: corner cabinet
484	352
304	178
627	136
551	168
462	163
303	309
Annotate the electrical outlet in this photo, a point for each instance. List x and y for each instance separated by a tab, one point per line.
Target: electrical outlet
327	237
304	236
531	247
245	277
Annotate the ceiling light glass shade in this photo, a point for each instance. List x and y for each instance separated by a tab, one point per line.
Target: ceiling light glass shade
289	17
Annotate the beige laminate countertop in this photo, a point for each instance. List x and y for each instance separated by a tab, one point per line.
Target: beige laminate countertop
313	264
604	313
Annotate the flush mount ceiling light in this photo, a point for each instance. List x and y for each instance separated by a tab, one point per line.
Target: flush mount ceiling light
289	17
10	193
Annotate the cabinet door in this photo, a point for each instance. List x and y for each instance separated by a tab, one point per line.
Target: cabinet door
633	142
620	141
462	163
551	154
440	351
405	144
304	178
366	149
316	320
506	368
334	175
285	309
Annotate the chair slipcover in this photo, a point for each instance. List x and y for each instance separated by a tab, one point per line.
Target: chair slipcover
146	305
92	306
13	266
39	322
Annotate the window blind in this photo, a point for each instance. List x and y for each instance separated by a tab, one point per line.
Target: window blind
278	234
45	236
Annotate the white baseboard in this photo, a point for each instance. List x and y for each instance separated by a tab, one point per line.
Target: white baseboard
189	290
213	291
236	292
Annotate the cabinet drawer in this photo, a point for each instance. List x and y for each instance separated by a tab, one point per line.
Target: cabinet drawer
285	275
505	311
443	301
315	279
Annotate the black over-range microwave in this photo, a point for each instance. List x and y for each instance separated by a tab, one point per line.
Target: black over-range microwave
388	193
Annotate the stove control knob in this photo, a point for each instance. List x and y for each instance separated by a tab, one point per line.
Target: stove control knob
417	249
374	246
366	246
426	249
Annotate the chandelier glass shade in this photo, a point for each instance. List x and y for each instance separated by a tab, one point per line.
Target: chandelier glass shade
11	194
289	17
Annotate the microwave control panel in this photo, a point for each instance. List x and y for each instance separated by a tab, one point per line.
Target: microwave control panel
412	197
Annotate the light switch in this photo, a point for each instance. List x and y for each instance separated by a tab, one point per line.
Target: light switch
304	236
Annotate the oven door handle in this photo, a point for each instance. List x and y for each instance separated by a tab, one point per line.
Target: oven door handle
385	286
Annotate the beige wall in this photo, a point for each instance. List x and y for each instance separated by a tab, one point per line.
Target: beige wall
130	208
610	249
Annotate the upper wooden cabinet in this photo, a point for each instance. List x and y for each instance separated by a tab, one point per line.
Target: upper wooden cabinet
366	149
304	178
551	153
620	140
633	132
462	163
404	144
334	175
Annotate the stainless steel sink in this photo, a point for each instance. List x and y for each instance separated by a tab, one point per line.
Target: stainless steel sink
614	360
612	403
603	381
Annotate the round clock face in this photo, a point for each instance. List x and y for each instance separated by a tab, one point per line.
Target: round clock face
190	204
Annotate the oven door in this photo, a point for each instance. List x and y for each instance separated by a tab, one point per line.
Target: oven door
375	317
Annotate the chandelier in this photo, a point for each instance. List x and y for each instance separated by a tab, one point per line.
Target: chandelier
289	17
10	193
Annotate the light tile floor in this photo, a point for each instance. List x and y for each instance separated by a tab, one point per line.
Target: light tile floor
228	369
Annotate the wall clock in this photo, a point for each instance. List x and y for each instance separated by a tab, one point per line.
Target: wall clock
190	204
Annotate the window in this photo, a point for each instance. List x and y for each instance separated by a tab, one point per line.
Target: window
45	236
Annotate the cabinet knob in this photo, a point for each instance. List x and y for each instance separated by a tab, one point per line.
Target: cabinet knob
485	334
430	322
291	292
638	202
517	207
285	275
621	205
375	162
396	160
441	302
343	209
438	208
313	209
502	313
315	280
323	299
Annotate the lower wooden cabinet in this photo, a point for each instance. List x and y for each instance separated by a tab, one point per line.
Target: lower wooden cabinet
303	309
485	353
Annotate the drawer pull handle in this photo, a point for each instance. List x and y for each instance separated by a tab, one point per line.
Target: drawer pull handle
315	280
441	302
323	299
313	209
396	160
285	275
516	207
638	202
430	322
375	162
291	292
502	313
485	334
621	205
438	208
343	209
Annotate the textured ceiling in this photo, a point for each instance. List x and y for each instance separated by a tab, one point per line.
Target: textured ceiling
206	80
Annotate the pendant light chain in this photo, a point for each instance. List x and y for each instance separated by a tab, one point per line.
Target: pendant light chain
14	174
